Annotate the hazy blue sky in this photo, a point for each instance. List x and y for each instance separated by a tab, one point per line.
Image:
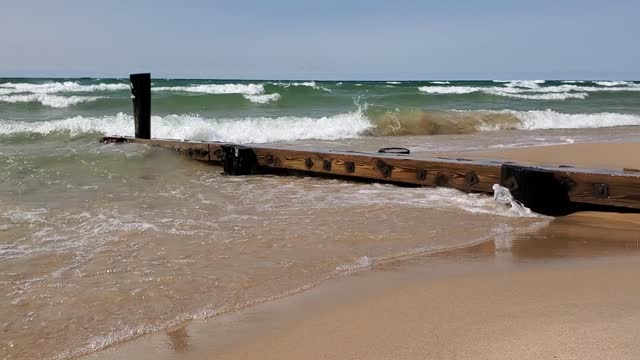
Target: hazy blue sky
326	39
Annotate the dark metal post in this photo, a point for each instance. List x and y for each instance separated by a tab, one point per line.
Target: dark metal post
538	189
141	95
239	160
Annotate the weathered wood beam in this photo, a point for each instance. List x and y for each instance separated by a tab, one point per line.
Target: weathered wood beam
550	190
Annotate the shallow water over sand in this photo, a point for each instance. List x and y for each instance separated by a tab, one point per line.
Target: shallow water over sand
103	243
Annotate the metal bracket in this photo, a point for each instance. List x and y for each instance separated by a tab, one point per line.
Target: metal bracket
308	163
600	191
349	166
421	174
471	178
442	179
326	165
511	183
199	153
217	155
384	168
269	159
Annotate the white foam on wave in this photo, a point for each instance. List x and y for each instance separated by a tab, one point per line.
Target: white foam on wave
288	128
549	119
360	263
613	83
311	84
25	216
441	198
263	98
54	101
193	127
58	87
394	82
529	84
549	96
440	82
502	195
530	90
450	89
244	89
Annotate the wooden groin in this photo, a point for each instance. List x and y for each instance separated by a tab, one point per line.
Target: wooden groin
545	189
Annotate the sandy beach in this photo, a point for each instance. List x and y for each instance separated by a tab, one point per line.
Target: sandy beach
255	180
563	291
544	295
610	155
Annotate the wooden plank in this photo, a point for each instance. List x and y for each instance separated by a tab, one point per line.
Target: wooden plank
467	176
618	188
604	189
194	149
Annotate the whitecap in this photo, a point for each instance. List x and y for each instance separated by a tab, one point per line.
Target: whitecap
613	83
549	119
263	98
58	87
54	101
311	84
548	96
245	89
194	127
449	89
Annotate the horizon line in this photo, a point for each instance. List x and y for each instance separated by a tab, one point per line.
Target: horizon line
317	79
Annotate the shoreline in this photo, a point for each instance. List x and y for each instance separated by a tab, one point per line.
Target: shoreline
571	246
346	313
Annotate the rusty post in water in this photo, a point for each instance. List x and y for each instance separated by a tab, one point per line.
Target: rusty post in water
141	96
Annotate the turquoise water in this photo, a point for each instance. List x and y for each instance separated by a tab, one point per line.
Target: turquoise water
259	111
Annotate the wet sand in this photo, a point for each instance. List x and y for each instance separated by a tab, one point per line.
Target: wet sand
565	291
542	295
578	311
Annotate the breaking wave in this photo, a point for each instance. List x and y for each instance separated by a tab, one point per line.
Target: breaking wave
262	99
339	126
244	89
531	89
54	101
465	122
57	87
193	127
613	83
310	84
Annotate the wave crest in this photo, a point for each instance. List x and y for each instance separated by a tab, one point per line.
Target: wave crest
244	89
532	89
54	101
57	87
339	126
193	127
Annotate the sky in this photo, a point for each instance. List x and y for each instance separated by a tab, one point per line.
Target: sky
324	39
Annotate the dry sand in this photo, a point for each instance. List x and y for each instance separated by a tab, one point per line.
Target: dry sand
591	155
567	291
